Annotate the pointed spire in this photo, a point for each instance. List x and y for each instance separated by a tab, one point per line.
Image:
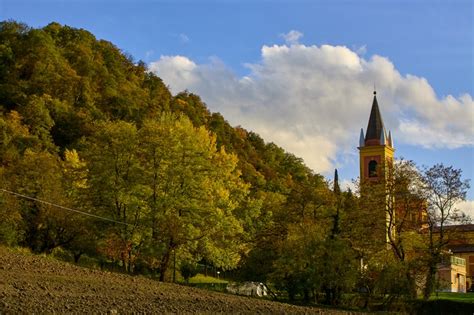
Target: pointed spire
390	140
336	188
361	138
382	137
375	127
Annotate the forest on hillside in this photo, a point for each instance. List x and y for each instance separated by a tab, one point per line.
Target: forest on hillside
143	177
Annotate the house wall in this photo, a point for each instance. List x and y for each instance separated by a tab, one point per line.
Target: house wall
469	257
452	276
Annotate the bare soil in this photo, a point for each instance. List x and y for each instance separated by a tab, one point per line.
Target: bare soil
36	284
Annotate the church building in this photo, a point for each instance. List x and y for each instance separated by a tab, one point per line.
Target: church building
376	154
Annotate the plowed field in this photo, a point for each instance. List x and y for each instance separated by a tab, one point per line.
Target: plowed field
35	284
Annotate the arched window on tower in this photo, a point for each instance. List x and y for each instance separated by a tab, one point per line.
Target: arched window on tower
372	169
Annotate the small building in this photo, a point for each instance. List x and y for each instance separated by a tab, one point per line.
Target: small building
467	253
452	275
461	244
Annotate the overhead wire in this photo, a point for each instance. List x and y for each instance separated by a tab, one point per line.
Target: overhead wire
63	207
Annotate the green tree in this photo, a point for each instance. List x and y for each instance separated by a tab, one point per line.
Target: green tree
45	226
194	191
294	269
36	116
75	174
188	270
11	223
115	188
269	234
15	138
336	261
386	233
335	269
406	209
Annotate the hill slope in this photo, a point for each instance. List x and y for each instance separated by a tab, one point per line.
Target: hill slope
30	283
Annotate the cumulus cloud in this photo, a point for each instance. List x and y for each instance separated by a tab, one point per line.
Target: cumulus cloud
313	100
348	184
292	37
177	71
467	207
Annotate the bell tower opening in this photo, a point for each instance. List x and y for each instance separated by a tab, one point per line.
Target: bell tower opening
372	168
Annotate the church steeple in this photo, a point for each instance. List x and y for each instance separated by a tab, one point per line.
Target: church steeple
376	160
376	147
375	128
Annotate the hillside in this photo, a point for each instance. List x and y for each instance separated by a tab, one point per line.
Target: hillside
84	126
99	159
31	283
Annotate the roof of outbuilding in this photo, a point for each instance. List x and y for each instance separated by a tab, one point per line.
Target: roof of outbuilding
461	248
457	227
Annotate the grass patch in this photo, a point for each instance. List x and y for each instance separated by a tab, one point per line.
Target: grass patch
454	296
208	283
19	250
200	278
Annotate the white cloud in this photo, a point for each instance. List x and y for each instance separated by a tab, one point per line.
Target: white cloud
176	70
292	37
348	184
467	207
313	100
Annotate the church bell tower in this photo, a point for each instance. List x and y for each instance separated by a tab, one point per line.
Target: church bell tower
376	159
375	147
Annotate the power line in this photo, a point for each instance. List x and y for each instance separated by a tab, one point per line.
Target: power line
62	207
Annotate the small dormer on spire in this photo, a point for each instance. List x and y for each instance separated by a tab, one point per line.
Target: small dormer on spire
390	140
382	137
361	138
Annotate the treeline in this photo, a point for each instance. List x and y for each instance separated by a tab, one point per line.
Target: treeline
158	177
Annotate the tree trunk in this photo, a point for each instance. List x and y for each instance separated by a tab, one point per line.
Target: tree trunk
412	285
291	295
130	264
329	296
77	256
164	264
306	295
430	281
124	261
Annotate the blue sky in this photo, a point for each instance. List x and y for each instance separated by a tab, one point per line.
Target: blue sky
301	73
